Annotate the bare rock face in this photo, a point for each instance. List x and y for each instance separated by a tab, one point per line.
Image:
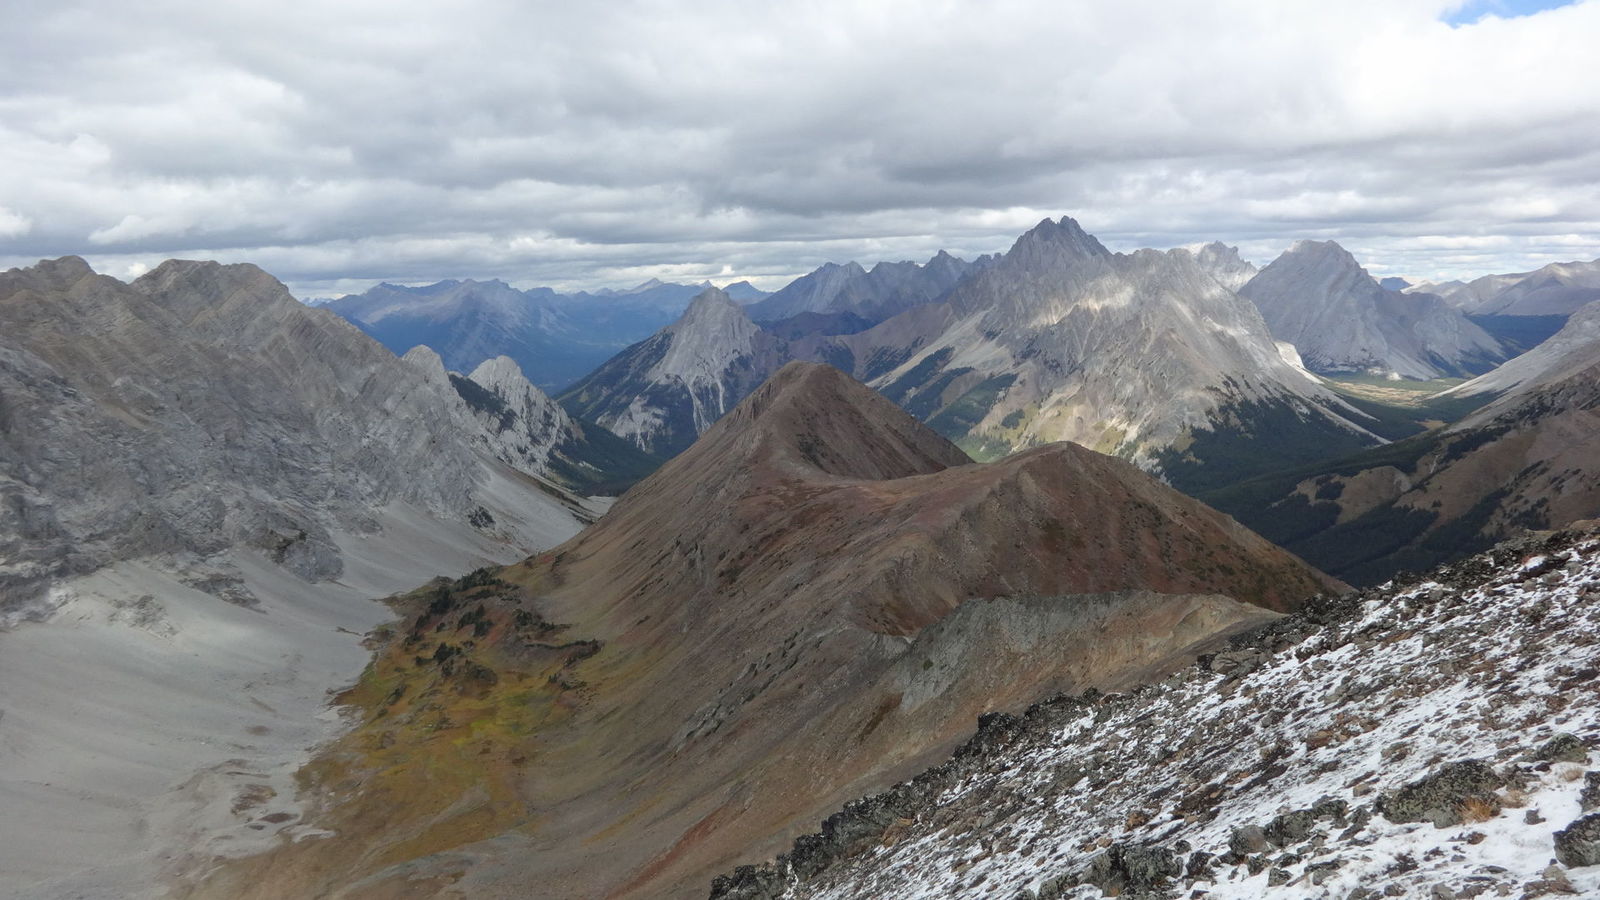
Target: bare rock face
1225	264
1318	298
201	407
1146	356
814	599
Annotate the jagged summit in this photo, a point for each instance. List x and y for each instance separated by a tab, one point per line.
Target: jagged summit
1061	234
1225	264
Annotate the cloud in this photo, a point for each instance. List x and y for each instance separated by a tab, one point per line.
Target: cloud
588	145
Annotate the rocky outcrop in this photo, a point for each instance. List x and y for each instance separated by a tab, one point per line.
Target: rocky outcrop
201	408
1225	264
1318	298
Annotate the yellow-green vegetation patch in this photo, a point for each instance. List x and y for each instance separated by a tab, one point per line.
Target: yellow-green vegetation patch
449	707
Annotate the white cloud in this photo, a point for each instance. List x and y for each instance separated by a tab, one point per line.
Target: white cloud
14	224
582	144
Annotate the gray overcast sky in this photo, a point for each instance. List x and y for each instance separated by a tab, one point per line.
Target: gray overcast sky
598	144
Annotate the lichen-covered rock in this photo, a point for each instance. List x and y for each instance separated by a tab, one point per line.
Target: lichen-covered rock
1124	870
1563	748
1446	796
1578	844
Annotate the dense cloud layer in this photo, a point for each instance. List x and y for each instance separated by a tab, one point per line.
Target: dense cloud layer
600	144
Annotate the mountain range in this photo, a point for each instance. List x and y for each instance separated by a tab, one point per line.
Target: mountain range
807	591
554	338
1147	356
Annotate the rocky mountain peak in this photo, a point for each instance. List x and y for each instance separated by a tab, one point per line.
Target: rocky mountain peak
424	359
501	375
1321	253
711	306
1225	264
1057	237
814	416
62	272
1318	297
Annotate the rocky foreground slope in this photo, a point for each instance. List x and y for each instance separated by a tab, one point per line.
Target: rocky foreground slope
1436	739
812	601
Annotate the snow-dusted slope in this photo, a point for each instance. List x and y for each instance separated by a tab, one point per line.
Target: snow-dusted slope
663	392
1433	740
1577	344
1317	297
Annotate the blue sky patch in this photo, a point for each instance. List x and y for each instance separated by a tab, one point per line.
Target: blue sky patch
1473	10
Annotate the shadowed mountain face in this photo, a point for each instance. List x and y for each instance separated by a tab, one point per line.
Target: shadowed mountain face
1318	298
816	598
1526	460
1574	347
